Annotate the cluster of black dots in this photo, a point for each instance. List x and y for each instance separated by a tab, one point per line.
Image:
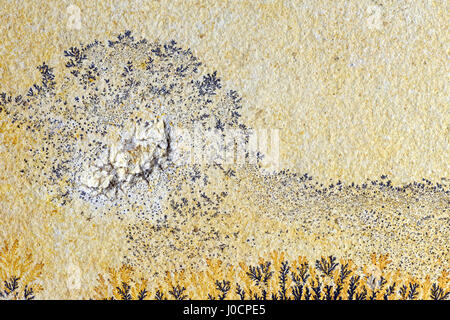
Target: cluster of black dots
107	85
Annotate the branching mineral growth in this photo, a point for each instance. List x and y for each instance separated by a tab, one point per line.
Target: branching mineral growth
100	150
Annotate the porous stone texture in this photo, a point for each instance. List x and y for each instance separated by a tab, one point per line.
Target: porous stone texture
93	170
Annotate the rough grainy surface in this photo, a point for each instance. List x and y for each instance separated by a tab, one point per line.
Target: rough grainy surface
99	132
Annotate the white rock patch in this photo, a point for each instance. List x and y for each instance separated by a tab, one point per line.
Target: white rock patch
137	153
